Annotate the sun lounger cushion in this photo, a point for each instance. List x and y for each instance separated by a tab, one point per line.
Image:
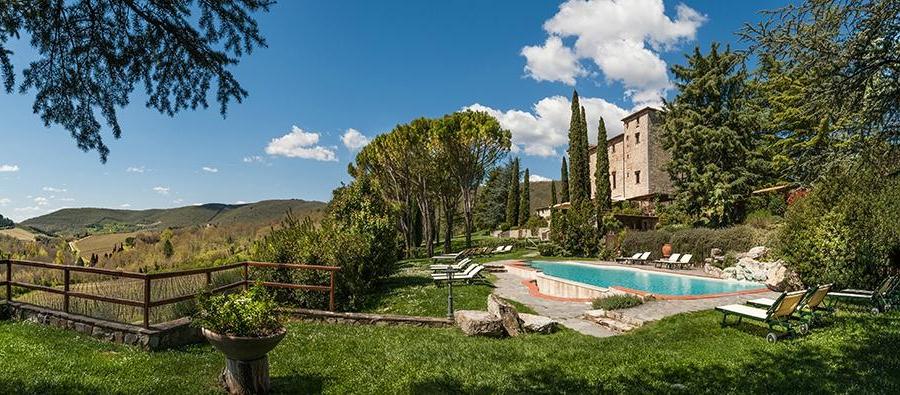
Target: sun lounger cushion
768	302
744	310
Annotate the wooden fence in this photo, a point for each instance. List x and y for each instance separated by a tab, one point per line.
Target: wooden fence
146	304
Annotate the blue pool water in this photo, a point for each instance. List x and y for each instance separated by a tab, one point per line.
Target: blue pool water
641	280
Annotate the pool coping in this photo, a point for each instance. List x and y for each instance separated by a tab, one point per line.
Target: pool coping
534	291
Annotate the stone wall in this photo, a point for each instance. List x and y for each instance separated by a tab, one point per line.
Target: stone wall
160	337
367	319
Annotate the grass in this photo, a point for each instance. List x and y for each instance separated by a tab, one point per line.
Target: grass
18	234
100	244
617	302
688	353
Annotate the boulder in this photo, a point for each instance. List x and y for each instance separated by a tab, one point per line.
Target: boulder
538	324
713	271
479	323
757	253
781	279
509	317
716	252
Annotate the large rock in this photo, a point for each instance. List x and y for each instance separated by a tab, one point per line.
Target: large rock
479	323
713	271
757	253
781	279
509	317
538	324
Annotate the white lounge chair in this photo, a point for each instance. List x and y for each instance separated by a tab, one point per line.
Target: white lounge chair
668	262
778	315
642	259
469	274
685	260
627	259
459	265
508	248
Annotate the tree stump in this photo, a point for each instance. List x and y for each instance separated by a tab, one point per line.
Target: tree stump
246	377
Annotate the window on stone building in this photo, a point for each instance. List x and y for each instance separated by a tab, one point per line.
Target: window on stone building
637	138
637	177
613	180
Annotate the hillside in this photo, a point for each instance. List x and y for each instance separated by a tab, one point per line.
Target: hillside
75	221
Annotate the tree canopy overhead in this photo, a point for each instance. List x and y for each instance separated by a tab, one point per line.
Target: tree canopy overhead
92	54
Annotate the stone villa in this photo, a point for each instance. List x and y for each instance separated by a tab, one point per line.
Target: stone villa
636	160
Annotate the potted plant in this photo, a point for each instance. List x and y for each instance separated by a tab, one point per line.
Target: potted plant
244	326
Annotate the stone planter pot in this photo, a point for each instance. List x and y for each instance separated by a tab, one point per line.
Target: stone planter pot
247	365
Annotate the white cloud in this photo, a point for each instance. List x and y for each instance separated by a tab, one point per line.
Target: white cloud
134	169
66	199
354	140
41	201
161	190
538	178
622	39
55	190
178	201
126	205
210	169
253	158
9	168
5	201
546	128
552	61
240	202
29	209
300	144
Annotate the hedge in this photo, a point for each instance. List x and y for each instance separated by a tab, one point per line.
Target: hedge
696	241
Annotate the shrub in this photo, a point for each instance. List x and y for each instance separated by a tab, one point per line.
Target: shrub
762	219
617	302
640	241
357	235
696	241
845	231
551	249
251	313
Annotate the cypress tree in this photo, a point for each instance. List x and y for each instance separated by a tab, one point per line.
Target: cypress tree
512	197
603	200
552	193
525	203
575	192
564	182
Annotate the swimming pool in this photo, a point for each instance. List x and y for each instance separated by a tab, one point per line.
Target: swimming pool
641	280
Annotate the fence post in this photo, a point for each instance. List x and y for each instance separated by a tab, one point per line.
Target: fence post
147	302
208	278
66	289
331	296
246	275
9	280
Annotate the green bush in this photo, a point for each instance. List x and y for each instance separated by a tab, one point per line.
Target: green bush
251	313
357	235
845	231
762	219
617	302
551	249
641	241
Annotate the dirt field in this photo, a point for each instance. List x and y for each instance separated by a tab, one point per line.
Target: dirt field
99	244
17	233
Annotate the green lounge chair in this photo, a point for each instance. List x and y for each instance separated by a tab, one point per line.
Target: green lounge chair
881	299
776	316
812	308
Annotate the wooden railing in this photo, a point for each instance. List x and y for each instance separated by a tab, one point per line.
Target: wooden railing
147	303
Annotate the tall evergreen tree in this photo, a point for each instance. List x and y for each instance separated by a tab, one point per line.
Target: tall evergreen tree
712	179
564	182
579	165
525	202
552	193
512	197
603	198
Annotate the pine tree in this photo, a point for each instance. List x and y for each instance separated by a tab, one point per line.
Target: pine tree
603	198
525	202
579	164
168	249
564	182
512	197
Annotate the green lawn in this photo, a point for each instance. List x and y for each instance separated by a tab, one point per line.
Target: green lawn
683	354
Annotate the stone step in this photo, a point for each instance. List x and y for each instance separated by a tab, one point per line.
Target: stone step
610	323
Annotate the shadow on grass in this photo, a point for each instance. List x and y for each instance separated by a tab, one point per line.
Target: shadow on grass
546	380
297	383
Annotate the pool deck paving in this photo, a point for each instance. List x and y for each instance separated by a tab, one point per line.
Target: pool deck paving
569	313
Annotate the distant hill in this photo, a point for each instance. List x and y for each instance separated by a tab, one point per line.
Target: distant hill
539	194
73	221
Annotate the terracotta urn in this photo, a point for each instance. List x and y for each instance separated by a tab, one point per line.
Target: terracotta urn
666	250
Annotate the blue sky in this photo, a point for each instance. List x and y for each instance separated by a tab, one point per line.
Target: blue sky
366	66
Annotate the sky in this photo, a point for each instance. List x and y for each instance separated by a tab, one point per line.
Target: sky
335	74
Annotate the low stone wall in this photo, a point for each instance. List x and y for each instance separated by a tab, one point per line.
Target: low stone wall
160	337
523	271
367	319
